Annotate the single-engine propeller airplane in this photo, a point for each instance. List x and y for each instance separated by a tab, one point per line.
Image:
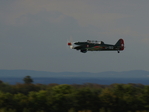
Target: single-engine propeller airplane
91	45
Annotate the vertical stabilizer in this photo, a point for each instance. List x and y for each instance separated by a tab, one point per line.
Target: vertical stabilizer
120	43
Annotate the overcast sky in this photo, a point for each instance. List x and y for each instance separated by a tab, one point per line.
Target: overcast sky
34	34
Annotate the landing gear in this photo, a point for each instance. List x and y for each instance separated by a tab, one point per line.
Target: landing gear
83	50
118	51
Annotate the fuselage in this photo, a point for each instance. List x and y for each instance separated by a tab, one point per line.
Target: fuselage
97	46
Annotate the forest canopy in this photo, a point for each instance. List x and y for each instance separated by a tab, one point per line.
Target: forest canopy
29	97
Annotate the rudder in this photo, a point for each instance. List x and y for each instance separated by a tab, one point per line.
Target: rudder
120	43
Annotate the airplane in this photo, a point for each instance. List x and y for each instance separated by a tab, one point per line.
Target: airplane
91	45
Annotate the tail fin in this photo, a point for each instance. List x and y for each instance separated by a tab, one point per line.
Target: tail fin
120	43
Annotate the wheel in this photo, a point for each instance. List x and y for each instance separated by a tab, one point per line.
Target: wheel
83	50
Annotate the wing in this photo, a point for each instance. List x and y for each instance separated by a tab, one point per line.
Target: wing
79	47
82	48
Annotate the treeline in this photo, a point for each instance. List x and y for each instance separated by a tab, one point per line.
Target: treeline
88	97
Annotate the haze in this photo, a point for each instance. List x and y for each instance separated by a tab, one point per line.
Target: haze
34	34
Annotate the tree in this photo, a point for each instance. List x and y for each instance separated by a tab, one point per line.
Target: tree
28	80
20	102
1	82
6	100
38	101
145	97
60	99
108	99
86	99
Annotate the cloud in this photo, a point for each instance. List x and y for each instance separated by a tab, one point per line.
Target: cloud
98	17
82	11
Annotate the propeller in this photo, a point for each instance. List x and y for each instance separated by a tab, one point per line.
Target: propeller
70	43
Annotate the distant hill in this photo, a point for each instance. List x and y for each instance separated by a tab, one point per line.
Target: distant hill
43	77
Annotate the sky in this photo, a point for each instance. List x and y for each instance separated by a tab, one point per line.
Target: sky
34	34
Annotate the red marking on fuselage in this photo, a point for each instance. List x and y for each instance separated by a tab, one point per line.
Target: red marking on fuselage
96	46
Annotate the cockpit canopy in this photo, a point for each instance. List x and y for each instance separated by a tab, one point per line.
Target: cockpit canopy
95	42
